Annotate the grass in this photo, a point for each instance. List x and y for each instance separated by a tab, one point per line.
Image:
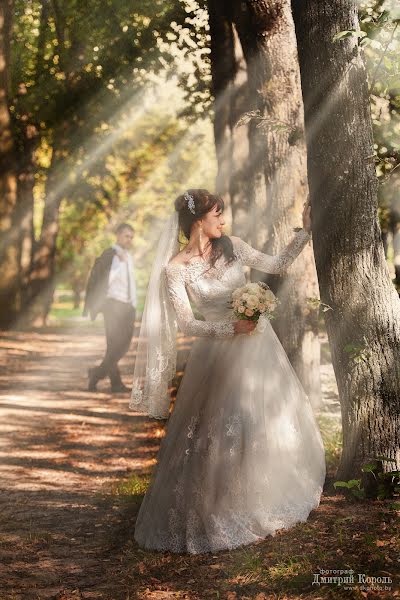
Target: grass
332	437
62	312
38	536
277	569
135	485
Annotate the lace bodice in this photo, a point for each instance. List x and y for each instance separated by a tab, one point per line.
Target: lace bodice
210	289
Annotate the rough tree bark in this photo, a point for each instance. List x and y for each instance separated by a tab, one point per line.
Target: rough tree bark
364	323
9	246
230	91
277	174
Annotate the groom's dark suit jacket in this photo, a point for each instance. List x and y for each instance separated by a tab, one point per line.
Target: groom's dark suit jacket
97	285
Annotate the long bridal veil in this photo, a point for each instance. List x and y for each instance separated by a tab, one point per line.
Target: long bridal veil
155	362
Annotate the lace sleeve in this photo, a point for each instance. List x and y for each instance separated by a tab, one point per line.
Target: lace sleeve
266	262
187	323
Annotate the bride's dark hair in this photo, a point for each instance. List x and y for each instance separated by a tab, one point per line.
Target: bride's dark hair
204	201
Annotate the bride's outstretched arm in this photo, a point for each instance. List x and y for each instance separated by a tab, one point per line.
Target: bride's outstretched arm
187	323
268	263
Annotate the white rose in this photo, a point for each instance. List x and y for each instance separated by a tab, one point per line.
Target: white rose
261	307
252	301
241	309
270	296
253	287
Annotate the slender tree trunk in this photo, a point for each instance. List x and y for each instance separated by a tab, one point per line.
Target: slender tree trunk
26	176
28	139
77	291
42	276
277	184
26	183
42	283
9	247
364	323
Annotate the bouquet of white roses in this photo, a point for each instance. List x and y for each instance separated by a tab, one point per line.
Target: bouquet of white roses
253	300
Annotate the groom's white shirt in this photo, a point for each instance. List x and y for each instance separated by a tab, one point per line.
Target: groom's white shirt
122	275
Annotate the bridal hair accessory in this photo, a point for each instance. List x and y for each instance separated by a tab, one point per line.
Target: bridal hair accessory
155	364
190	202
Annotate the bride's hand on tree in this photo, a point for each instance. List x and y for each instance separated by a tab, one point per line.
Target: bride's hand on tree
307	215
244	326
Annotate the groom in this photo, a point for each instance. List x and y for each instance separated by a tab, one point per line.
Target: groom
111	289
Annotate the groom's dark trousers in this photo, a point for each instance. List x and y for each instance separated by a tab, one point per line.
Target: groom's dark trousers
119	319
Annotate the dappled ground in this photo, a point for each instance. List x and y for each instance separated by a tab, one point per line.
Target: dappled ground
74	466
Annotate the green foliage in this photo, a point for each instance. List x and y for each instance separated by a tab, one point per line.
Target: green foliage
85	58
388	482
358	352
332	435
95	85
348	33
353	485
379	37
315	302
385	484
64	54
379	21
149	166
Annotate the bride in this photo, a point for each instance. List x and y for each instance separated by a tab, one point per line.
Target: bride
243	455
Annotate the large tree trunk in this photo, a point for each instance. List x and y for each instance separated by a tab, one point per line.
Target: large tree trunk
277	178
364	323
9	246
230	91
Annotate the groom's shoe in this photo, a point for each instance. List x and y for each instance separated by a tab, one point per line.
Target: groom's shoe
92	384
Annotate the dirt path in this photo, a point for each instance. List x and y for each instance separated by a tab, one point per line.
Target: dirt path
66	534
61	448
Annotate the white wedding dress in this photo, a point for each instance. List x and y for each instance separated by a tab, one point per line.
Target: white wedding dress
242	455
